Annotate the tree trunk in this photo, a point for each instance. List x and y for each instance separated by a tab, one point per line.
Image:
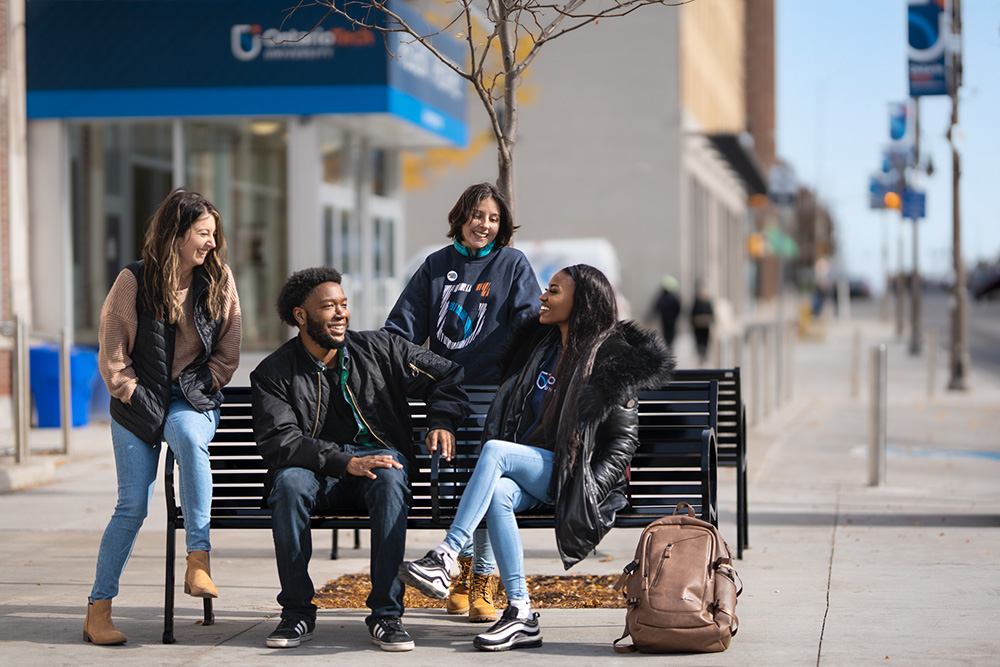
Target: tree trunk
505	143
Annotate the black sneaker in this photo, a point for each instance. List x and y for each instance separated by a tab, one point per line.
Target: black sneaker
290	633
511	632
389	633
430	575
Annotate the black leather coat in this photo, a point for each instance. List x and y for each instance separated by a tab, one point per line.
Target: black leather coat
588	496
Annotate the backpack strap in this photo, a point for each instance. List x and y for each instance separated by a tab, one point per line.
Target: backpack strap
623	649
690	510
626	573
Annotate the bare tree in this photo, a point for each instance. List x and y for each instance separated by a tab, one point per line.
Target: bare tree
503	38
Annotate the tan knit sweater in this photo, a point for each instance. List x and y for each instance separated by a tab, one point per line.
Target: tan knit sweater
120	321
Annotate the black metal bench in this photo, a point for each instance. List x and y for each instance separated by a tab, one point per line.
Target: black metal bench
676	461
731	433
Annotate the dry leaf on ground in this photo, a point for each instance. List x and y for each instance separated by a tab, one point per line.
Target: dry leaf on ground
553	592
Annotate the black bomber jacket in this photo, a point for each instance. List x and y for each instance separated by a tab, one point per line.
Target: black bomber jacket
291	395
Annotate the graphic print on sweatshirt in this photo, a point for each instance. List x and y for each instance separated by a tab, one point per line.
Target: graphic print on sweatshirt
462	314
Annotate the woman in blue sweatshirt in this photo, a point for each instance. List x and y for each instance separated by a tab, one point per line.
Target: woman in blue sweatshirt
463	300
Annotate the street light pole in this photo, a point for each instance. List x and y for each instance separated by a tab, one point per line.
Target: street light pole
959	360
916	330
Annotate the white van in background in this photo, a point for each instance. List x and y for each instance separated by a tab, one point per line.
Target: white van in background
547	256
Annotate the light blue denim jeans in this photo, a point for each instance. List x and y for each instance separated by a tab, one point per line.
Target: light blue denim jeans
480	551
187	433
508	478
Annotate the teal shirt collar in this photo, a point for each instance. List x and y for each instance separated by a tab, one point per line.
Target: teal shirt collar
479	253
341	359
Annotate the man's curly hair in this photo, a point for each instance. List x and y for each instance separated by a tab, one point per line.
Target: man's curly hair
297	288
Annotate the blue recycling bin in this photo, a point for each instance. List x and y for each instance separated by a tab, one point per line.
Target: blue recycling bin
45	383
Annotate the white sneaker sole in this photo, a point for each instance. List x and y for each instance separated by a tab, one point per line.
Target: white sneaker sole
288	643
396	648
517	641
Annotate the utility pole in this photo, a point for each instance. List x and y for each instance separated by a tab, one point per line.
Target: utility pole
959	360
916	330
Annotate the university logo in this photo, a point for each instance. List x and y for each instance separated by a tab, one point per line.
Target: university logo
545	381
249	42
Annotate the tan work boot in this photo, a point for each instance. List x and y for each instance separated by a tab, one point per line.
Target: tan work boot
98	626
458	594
483	592
198	578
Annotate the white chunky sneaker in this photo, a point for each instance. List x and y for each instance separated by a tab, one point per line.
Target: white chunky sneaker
511	632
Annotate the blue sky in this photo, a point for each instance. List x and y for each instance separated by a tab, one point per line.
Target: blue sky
839	65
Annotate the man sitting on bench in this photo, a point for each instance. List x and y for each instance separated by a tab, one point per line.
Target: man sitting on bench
331	421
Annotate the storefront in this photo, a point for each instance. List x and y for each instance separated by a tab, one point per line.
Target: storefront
293	132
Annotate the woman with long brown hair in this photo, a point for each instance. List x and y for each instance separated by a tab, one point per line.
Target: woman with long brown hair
169	341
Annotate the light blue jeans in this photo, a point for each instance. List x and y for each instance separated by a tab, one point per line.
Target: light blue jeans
187	433
480	551
508	478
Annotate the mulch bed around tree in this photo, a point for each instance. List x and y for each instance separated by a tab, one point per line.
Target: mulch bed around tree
553	592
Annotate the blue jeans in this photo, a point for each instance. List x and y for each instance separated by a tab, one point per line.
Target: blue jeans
480	551
187	433
294	496
508	478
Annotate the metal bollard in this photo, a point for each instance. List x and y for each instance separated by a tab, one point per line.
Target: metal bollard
931	345
65	390
876	454
22	396
855	362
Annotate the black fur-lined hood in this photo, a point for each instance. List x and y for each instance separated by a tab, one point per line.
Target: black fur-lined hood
628	362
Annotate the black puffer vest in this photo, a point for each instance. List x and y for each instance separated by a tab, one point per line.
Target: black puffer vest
152	359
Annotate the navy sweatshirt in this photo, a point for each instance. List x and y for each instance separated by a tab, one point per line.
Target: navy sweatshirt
464	307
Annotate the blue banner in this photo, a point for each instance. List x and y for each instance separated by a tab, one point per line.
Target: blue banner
928	65
163	58
897	120
914	204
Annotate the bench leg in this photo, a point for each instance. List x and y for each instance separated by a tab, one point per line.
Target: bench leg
746	513
333	545
168	597
357	538
209	613
741	520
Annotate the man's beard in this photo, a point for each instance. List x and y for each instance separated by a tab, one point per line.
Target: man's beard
317	331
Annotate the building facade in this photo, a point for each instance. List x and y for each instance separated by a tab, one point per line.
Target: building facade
293	132
633	132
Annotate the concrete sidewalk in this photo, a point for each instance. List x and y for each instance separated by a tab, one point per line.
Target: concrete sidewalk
838	573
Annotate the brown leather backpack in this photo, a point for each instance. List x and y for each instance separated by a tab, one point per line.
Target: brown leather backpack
681	588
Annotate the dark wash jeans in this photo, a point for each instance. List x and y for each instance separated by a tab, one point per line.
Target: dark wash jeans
297	492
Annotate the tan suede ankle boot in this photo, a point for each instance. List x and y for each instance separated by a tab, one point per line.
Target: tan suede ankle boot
198	578
98	626
458	594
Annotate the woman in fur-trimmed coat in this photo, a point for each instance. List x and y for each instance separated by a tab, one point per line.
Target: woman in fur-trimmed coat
560	432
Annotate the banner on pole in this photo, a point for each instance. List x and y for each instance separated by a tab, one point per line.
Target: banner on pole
927	23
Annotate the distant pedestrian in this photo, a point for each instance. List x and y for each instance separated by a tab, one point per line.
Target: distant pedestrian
169	341
668	307
702	318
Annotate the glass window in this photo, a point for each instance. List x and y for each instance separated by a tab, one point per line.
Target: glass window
120	172
333	144
241	167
